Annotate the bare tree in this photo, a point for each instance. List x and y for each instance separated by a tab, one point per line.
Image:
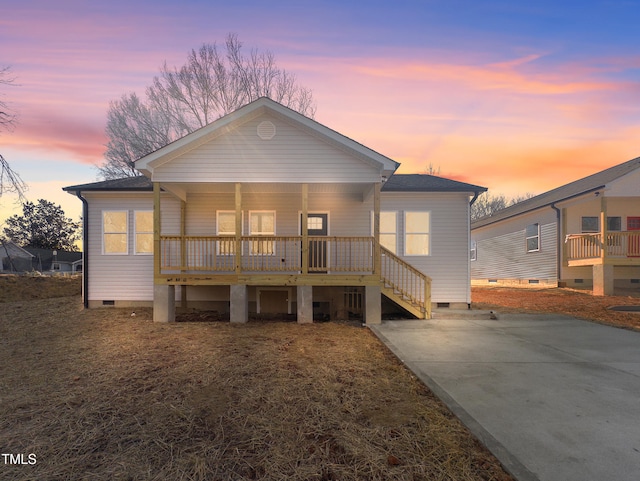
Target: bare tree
487	204
10	181
211	83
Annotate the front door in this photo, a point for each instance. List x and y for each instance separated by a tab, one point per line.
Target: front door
633	224
317	227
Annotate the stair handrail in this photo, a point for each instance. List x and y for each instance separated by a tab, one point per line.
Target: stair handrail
406	280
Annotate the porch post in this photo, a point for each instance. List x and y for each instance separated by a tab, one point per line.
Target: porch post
183	251
164	296
373	304
603	227
157	253
376	230
305	230
238	227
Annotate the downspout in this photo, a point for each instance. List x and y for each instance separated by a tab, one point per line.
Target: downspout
476	194
558	241
85	249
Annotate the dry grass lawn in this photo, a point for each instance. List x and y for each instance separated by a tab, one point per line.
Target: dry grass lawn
101	395
572	302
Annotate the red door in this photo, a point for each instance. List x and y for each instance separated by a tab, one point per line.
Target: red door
633	224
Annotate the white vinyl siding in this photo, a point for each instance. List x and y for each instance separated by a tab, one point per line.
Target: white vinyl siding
502	253
292	155
448	264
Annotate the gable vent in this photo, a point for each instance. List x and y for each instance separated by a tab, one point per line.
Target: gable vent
266	130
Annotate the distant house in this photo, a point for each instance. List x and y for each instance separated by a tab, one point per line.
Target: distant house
267	211
50	260
585	233
14	258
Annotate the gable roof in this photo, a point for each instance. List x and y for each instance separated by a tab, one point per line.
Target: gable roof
427	183
261	106
565	192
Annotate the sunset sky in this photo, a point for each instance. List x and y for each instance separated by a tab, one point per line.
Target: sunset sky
512	95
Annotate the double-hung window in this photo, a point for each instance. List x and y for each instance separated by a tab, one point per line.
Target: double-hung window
226	227
144	232
532	235
262	223
417	233
115	232
389	231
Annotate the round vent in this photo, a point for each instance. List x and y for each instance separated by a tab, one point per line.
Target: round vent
266	130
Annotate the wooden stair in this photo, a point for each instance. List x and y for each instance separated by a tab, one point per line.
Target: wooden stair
405	285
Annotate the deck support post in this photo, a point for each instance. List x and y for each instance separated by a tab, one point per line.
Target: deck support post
239	300
304	297
373	305
164	303
602	280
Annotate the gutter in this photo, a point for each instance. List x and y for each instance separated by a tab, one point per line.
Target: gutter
85	249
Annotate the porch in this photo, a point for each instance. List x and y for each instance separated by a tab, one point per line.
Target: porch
267	261
603	251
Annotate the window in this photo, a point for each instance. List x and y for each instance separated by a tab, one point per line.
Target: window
262	223
473	251
144	232
532	234
226	226
416	233
389	230
590	224
115	232
614	223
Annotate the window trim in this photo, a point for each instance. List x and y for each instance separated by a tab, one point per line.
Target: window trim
125	233
427	234
589	231
273	234
536	236
135	233
473	251
232	250
395	233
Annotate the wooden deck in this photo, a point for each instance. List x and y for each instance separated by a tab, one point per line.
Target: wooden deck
617	248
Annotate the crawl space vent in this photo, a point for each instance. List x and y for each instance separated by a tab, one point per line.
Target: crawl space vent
266	130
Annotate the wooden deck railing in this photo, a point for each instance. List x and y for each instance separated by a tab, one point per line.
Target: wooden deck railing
406	281
266	254
589	246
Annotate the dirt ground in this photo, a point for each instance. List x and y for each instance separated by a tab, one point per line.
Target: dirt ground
572	302
104	395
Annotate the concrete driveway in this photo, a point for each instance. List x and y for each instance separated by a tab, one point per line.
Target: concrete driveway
554	398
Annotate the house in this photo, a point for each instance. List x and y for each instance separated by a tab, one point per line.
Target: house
14	258
268	211
585	233
55	261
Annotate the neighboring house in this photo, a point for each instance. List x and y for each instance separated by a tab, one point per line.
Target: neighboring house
14	258
322	224
50	260
586	233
